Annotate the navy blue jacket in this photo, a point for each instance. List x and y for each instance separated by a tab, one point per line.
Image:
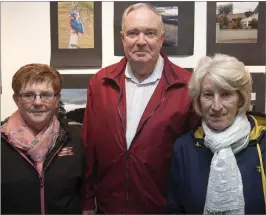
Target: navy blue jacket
191	166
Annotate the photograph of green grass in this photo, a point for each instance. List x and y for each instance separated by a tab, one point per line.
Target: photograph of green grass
75	25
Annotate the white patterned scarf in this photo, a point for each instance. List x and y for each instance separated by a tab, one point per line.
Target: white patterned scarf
225	187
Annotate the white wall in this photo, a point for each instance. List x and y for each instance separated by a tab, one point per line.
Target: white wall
25	38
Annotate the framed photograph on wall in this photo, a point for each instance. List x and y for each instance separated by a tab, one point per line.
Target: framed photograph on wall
178	20
0	58
76	34
258	95
74	95
237	29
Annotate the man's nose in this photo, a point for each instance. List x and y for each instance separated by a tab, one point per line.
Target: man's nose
141	39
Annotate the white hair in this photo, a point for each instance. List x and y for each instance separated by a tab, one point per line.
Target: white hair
227	73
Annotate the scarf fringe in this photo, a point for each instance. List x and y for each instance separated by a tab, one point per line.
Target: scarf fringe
228	212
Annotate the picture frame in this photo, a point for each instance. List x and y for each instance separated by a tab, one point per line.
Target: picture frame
259	92
69	58
74	96
249	53
75	81
185	27
0	58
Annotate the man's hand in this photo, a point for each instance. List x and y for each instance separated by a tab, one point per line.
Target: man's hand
88	212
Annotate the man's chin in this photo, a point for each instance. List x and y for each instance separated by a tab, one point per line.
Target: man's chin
140	59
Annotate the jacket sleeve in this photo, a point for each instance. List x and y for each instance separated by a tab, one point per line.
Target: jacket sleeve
174	202
86	136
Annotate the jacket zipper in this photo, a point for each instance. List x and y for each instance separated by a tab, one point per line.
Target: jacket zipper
42	181
127	185
41	177
127	149
124	129
42	193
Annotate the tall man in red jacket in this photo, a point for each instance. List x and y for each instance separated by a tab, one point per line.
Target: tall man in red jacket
135	110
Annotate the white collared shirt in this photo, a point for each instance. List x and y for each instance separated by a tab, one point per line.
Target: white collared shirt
138	96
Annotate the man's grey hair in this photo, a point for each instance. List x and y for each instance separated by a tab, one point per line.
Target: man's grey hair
141	5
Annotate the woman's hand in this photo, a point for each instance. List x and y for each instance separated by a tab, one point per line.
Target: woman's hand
88	212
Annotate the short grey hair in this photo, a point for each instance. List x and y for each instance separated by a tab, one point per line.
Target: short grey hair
141	5
226	72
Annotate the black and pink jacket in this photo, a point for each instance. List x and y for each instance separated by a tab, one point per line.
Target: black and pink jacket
57	190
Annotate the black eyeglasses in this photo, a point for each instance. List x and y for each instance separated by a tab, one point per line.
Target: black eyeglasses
30	97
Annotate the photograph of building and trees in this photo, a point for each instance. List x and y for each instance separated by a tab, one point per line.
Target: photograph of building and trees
237	22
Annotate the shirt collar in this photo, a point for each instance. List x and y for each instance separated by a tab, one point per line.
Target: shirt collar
153	77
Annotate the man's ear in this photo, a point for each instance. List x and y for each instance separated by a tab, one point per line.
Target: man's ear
162	38
122	36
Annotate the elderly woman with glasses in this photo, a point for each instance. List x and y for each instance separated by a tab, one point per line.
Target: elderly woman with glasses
219	167
42	156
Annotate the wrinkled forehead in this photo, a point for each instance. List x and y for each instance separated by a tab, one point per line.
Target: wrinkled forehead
36	86
211	81
142	17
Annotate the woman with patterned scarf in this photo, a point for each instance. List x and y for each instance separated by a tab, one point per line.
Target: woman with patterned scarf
42	157
219	168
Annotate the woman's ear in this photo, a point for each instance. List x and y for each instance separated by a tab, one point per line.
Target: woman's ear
241	101
59	96
15	98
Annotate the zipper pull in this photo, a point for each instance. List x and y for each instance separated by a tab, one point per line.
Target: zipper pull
41	181
127	154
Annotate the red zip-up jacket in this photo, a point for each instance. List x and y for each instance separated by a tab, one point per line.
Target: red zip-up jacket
134	180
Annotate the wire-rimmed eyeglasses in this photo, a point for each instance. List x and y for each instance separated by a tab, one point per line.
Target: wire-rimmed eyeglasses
30	97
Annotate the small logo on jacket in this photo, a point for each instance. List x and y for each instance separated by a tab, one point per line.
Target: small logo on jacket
66	151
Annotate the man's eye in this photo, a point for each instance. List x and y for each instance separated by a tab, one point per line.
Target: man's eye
132	33
150	33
